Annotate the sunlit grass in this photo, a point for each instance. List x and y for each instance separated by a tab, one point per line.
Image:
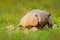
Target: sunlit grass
11	11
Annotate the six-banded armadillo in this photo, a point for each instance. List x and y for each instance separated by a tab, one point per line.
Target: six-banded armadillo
36	18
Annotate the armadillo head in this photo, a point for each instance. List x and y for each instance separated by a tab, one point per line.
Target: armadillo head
44	21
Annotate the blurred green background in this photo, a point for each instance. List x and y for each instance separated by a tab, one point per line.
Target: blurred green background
11	11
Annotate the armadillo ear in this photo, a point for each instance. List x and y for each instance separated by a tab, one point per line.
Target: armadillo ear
49	15
36	15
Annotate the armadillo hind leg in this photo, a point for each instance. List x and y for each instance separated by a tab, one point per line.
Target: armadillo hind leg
20	26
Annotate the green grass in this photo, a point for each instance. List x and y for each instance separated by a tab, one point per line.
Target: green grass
11	11
40	35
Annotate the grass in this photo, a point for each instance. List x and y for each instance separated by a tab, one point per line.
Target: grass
11	11
40	35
